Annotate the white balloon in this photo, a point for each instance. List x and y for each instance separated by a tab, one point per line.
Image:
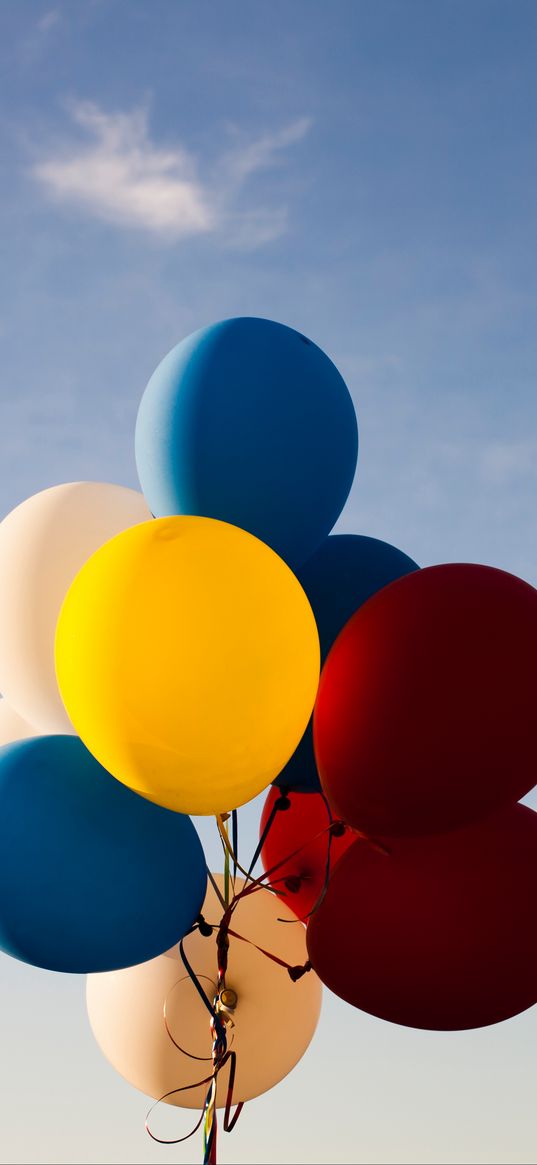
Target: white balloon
12	726
43	544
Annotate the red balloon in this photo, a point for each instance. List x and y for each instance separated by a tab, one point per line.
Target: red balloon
300	880
438	934
425	717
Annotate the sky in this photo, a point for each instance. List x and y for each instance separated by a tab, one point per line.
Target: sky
364	171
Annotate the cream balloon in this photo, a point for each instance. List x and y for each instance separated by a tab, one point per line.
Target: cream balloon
12	726
43	544
274	1019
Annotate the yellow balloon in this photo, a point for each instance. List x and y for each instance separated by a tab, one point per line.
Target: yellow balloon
187	657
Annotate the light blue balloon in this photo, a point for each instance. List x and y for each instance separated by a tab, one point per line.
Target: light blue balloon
92	876
249	421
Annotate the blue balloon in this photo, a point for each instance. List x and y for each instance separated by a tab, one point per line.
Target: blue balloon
92	876
250	422
342	575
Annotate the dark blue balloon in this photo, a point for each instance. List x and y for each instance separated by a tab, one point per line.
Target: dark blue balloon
250	422
92	876
343	573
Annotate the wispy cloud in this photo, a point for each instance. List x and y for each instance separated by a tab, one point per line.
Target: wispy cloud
117	173
265	151
248	229
40	38
49	19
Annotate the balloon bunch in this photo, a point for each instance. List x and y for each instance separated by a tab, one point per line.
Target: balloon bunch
160	657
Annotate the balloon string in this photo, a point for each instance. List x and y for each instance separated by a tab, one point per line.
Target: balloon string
219	1055
327	807
226	876
360	835
166	1096
320	898
283	861
258	883
221	820
331	835
231	1121
220	1052
205	999
219	1020
283	802
289	857
335	828
235	842
210	1126
331	830
275	958
216	888
224	932
227	845
169	1033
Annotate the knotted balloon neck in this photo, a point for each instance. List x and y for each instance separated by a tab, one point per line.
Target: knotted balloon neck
204	927
296	973
283	803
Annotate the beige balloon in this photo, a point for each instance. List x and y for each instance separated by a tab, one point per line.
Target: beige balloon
274	1019
43	544
12	726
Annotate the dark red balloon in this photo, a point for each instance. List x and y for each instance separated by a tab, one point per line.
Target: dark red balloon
438	934
300	880
426	713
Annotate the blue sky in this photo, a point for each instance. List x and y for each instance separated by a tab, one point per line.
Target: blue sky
364	171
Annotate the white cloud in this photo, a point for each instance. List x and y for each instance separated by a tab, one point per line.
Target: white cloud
123	177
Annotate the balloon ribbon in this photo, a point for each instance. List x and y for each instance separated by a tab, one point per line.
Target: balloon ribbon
220	1055
219	1016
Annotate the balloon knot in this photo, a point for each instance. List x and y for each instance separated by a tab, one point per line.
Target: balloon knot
293	883
296	973
283	802
337	828
204	927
